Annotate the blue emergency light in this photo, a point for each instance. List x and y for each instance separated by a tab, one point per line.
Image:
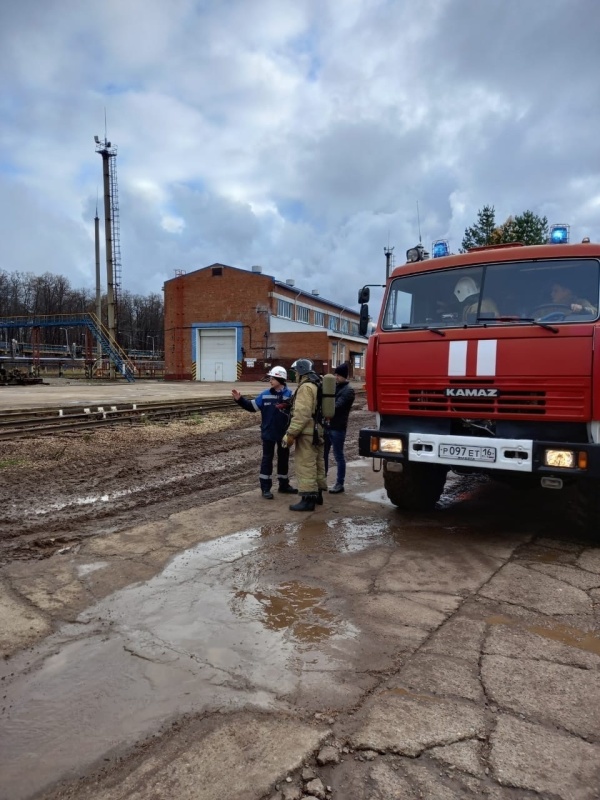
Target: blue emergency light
559	234
440	248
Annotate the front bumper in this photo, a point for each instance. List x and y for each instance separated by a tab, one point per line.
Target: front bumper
480	454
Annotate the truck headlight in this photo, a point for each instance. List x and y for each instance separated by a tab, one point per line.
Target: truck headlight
559	458
390	445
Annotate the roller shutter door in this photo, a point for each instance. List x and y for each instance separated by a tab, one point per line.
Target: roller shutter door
217	355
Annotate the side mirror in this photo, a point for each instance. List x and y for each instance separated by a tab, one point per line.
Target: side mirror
363	325
364	295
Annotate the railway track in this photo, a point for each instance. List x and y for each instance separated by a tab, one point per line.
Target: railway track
18	424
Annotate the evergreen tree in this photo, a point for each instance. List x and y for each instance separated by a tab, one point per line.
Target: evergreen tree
527	228
482	233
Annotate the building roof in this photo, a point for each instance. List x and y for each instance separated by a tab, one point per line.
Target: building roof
304	293
282	284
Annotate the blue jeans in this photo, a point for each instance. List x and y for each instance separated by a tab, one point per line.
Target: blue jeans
335	440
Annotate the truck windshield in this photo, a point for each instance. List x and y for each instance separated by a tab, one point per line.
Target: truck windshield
552	291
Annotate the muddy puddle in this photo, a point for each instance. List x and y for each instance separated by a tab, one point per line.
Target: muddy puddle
217	630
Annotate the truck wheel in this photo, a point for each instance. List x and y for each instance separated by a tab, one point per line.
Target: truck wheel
417	488
586	506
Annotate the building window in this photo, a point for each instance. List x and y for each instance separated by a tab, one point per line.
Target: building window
217	271
319	319
353	328
334	360
344	326
334	323
358	362
301	314
342	353
284	309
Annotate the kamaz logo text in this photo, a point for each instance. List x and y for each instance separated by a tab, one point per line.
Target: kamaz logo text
452	392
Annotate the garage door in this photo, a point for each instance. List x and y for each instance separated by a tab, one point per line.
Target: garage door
217	355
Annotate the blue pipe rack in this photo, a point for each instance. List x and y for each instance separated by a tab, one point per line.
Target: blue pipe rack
110	348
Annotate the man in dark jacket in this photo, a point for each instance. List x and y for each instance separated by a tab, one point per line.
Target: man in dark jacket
274	406
336	434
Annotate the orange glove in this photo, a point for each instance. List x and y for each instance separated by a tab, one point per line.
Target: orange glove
288	440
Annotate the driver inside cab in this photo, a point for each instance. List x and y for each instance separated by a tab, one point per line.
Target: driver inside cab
563	296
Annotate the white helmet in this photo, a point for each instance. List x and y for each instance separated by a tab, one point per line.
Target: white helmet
465	288
278	372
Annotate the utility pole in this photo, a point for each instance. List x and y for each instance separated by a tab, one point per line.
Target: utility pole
388	261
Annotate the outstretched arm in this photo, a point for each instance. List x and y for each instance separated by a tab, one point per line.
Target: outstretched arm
248	405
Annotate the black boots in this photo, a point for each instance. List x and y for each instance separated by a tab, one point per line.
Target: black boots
285	488
307	502
265	488
319	500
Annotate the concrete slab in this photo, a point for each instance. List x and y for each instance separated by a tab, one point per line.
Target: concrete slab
536	591
193	766
465	756
441	675
531	757
21	623
565	696
429	784
73	393
399	721
590	560
546	640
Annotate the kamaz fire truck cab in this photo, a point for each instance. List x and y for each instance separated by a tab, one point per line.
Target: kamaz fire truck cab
488	362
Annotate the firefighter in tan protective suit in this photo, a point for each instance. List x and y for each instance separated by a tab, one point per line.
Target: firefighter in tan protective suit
306	433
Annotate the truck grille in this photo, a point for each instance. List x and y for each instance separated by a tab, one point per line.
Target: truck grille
564	399
515	402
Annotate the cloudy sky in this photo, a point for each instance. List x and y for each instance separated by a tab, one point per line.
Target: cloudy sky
295	134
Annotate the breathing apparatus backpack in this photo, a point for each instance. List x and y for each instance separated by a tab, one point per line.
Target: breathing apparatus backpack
325	401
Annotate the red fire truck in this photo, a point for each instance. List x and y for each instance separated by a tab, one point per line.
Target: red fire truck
488	361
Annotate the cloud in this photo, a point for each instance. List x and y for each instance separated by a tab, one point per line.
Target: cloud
299	136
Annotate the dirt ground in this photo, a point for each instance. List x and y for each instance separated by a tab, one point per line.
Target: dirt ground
57	490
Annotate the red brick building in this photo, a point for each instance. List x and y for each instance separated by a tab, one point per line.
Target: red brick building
225	324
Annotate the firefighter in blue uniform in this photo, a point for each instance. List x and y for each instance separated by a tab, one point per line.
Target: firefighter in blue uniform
274	406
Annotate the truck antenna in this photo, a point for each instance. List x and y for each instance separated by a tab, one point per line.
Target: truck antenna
419	222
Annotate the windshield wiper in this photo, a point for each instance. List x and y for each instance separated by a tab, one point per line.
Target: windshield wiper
515	318
406	326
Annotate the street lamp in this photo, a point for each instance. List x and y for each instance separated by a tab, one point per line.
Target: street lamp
153	338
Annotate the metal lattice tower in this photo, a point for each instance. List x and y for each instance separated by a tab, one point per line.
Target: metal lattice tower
109	154
116	230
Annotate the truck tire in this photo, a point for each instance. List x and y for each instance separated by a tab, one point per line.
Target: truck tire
417	488
586	506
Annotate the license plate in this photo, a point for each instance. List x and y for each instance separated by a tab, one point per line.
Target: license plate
465	452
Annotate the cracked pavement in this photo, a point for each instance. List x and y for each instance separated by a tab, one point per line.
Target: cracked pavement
217	652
